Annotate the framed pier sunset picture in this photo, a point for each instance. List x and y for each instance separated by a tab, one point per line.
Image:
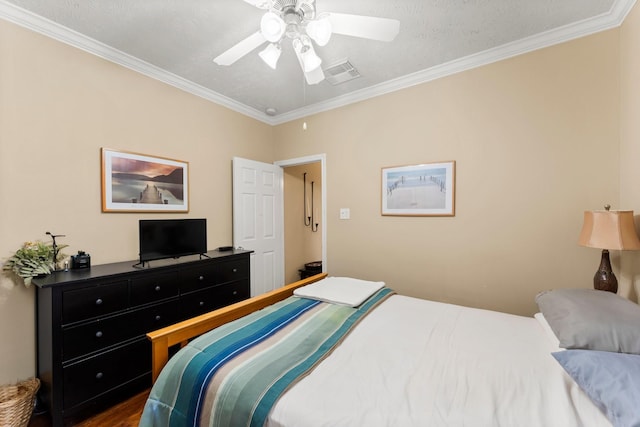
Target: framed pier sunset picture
419	190
133	182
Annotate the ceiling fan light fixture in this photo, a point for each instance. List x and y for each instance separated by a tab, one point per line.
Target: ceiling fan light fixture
307	56
320	30
271	54
272	27
314	77
310	61
298	21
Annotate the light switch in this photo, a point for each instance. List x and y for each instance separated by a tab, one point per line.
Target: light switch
345	213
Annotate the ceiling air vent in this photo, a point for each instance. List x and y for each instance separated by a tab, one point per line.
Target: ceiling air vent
340	73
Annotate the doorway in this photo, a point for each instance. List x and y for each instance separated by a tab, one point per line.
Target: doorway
304	212
259	219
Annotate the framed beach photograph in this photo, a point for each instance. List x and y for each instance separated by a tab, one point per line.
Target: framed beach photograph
419	190
133	182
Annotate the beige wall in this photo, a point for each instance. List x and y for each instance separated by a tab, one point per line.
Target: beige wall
535	141
630	140
58	106
301	244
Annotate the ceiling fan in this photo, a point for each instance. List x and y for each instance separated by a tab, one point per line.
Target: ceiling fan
297	20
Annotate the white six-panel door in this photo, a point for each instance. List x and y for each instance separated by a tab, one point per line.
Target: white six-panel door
258	221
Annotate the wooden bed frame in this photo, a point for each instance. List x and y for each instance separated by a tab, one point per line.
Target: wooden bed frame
182	332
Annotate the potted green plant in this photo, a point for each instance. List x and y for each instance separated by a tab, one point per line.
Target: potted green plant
34	259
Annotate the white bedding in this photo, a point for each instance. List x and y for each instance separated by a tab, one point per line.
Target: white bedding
340	290
459	367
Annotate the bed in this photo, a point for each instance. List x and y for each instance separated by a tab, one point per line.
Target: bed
391	360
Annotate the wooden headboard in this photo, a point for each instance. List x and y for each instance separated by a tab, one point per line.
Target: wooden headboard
182	332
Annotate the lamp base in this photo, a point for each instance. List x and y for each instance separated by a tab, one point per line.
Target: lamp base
605	280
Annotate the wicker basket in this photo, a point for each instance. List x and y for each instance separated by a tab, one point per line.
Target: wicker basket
16	403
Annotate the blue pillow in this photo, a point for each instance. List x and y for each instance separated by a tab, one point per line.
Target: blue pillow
611	380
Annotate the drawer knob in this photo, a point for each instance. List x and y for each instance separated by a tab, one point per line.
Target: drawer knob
157	288
201	303
158	318
235	292
201	278
235	270
99	375
99	301
99	334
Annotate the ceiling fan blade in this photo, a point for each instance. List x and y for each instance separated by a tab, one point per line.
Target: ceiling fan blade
260	4
368	27
239	50
314	76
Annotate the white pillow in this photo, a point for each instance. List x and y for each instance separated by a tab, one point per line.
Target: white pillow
340	290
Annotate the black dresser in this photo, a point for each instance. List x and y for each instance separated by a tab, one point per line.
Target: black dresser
91	326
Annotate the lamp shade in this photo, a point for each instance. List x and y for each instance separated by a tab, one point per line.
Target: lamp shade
613	230
271	54
309	61
272	27
320	30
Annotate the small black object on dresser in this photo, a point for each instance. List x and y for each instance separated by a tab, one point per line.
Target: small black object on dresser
80	260
92	324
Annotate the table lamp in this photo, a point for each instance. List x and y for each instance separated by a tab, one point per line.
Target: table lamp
608	230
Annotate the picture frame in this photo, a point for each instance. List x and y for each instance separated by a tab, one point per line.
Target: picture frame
134	182
426	189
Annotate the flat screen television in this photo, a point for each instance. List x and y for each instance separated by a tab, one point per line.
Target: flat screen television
172	238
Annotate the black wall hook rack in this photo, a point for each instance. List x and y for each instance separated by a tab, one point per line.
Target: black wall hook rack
307	218
314	225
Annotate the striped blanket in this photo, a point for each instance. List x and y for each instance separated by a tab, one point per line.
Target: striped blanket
234	374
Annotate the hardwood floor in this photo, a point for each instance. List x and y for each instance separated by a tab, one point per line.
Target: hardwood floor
125	414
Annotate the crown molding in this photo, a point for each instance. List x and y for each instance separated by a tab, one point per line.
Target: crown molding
611	19
38	24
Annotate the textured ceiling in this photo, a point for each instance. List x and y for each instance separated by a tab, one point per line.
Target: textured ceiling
176	40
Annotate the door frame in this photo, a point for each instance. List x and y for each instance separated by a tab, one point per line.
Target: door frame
322	158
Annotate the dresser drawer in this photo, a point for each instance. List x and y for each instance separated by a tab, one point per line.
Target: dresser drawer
94	301
230	271
153	287
102	333
214	297
95	335
96	375
195	278
159	316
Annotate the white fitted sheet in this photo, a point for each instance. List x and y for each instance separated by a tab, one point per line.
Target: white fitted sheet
414	362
